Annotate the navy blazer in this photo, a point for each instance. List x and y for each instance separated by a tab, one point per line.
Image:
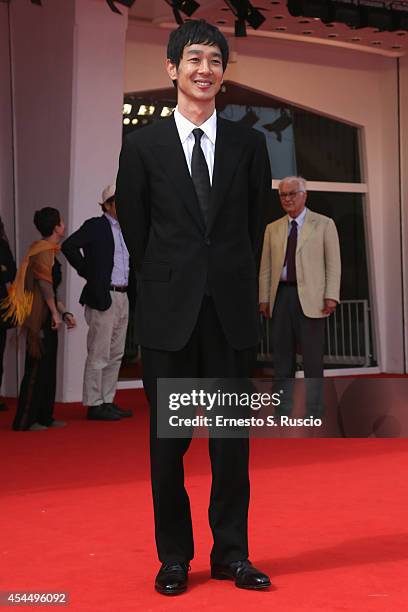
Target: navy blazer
90	250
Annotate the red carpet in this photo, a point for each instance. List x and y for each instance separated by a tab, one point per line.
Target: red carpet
327	521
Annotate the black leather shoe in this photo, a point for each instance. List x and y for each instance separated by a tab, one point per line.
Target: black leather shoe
246	576
102	413
119	411
172	579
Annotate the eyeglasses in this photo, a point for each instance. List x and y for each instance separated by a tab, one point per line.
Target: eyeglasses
290	194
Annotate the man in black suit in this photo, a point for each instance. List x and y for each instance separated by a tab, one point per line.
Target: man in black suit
98	253
191	195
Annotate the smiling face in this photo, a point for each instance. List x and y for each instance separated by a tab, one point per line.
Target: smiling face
199	74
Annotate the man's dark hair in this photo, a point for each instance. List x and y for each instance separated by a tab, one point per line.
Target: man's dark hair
108	201
46	219
196	32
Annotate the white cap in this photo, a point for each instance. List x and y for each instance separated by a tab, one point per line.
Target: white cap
108	193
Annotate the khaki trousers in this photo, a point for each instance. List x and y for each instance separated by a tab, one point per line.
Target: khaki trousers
106	345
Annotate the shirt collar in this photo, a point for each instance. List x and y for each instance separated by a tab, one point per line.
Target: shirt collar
300	218
111	220
185	126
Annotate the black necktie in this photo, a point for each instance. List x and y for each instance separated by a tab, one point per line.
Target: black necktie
200	174
291	254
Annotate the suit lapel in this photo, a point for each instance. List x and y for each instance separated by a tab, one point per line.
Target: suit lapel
228	150
107	229
308	228
282	238
170	155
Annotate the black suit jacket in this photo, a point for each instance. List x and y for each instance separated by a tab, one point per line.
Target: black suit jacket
175	254
90	251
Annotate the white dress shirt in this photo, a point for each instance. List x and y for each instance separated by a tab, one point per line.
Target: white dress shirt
299	220
185	129
120	270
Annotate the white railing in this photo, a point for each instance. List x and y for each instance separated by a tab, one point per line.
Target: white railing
347	340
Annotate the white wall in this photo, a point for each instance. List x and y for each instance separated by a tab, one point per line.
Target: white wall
6	180
41	55
97	100
6	141
351	86
404	185
67	60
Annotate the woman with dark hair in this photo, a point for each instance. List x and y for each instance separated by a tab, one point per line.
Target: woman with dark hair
7	274
33	302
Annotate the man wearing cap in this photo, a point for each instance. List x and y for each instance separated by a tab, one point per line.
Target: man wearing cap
98	253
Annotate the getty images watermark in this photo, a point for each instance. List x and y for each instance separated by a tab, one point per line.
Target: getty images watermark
225	408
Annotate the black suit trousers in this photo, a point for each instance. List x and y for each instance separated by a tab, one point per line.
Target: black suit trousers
291	331
207	354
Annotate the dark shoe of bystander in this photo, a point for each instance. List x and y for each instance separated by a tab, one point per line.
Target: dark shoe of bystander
119	411
102	413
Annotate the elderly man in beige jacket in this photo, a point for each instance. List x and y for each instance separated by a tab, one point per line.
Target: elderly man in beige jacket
299	283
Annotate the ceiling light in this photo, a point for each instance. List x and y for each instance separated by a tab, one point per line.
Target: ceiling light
310	8
114	8
280	124
166	111
379	18
240	28
245	12
145	109
391	16
188	7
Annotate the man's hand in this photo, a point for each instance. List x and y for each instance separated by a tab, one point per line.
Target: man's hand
329	306
69	320
264	309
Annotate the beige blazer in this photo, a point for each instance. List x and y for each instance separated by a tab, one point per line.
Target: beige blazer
318	265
